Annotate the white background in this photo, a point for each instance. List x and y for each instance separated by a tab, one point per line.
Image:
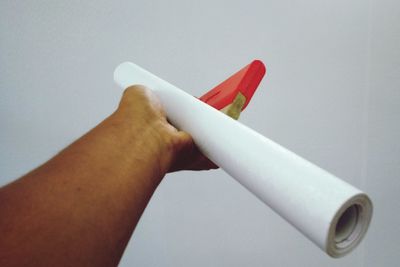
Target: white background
331	94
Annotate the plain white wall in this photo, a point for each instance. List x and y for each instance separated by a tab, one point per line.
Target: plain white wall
331	94
382	163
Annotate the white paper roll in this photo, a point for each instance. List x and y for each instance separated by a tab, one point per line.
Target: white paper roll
330	212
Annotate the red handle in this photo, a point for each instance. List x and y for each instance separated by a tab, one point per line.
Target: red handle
244	81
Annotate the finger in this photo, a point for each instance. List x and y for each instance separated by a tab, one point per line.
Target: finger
184	151
188	156
202	163
186	144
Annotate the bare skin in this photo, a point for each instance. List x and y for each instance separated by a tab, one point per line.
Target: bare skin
80	208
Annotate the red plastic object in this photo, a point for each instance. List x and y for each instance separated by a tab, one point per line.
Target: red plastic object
245	81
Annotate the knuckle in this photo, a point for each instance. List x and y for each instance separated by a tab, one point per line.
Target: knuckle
135	90
134	94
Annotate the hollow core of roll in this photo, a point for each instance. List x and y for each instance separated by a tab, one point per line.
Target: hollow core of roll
346	225
349	227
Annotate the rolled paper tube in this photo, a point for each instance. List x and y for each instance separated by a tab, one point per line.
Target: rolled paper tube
330	212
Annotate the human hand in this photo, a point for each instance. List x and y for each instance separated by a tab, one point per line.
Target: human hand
142	110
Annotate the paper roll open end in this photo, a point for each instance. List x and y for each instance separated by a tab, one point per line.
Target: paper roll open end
349	226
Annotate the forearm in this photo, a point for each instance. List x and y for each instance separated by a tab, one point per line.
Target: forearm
81	207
